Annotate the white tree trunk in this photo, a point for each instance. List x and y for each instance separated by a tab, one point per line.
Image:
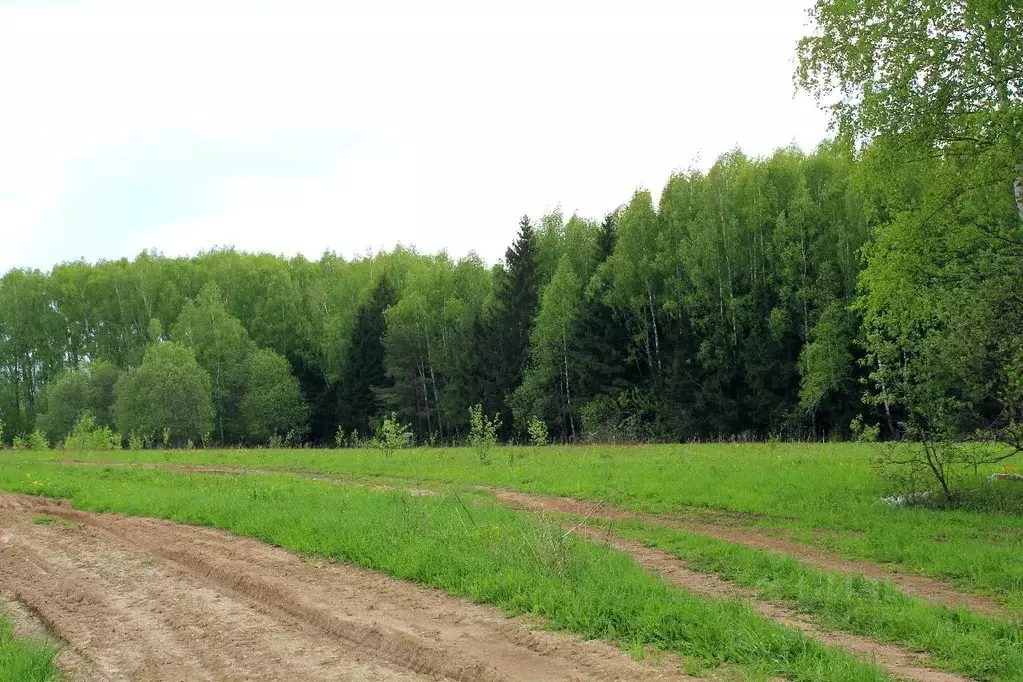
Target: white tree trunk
1017	186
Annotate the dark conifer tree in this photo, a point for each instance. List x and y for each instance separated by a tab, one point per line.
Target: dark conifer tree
517	299
600	339
365	373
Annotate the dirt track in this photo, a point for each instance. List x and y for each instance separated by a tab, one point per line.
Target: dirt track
142	599
897	661
922	587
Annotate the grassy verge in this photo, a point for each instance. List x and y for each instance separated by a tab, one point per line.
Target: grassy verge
468	547
22	661
981	647
821	494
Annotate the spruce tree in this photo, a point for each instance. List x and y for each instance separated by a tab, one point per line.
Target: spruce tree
600	339
365	372
517	299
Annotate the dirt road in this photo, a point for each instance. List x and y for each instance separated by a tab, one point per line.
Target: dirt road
142	599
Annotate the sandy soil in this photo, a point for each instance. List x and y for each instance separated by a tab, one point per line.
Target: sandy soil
143	599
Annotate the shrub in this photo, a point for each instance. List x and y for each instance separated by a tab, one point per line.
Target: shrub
538	435
87	435
35	441
391	435
482	433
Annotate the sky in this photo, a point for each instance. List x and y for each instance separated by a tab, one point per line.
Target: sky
298	126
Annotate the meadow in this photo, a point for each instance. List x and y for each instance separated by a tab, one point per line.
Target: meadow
476	549
821	494
464	541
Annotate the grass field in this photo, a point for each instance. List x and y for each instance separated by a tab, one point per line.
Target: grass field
466	543
466	546
22	661
821	494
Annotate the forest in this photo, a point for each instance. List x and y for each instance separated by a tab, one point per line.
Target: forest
870	288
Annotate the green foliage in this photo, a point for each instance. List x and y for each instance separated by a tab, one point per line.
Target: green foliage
73	393
136	442
390	434
935	89
35	441
87	435
863	432
547	384
538	435
365	373
482	433
929	73
516	300
273	403
222	347
63	403
168	395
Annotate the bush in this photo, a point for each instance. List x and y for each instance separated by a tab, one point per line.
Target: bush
391	435
62	402
538	435
35	441
912	467
863	432
617	418
482	433
87	435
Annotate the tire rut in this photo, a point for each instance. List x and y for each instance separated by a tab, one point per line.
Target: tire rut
931	590
899	662
927	589
213	606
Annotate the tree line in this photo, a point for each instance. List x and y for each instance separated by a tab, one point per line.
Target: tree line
874	285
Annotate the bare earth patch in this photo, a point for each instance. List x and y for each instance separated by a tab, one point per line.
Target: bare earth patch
144	599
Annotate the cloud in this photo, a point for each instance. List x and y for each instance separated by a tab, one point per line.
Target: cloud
294	126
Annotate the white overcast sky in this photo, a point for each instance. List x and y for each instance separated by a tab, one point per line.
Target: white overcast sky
291	126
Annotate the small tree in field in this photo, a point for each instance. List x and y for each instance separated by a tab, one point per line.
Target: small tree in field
538	434
483	433
392	435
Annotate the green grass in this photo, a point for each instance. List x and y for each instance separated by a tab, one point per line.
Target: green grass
959	640
823	494
467	546
47	520
24	661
